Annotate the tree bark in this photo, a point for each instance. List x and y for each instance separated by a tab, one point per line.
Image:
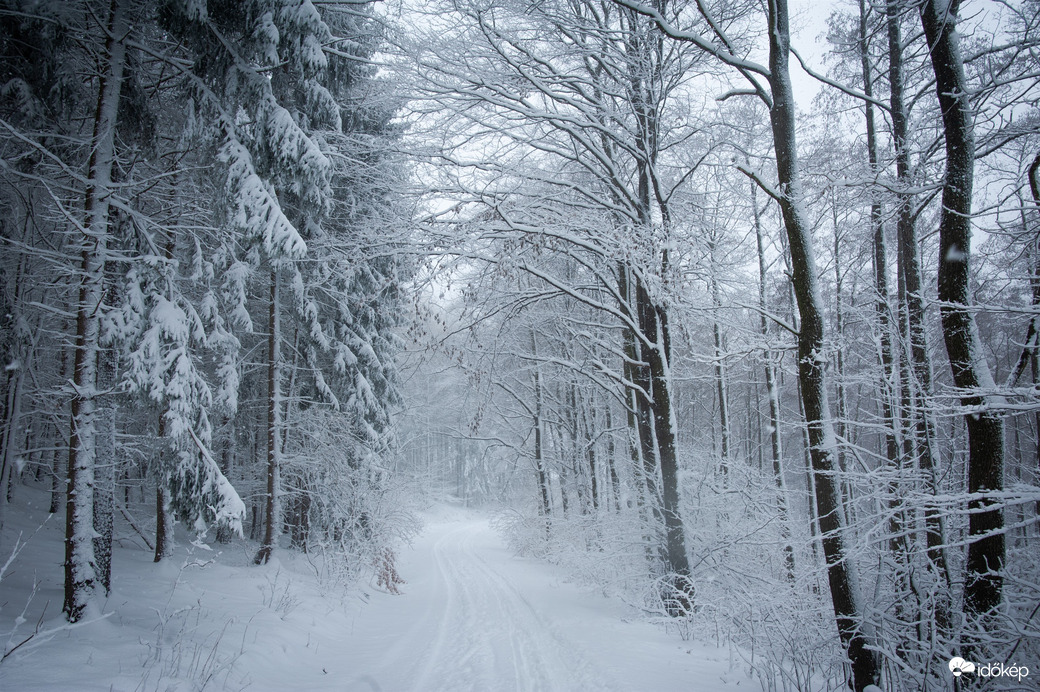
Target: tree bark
773	394
720	372
656	348
811	359
641	448
588	413
918	386
841	403
615	482
971	374
1029	348
224	532
539	461
105	470
271	519
163	521
80	567
11	408
1032	340
889	372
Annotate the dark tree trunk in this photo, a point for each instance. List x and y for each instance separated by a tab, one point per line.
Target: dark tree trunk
983	584
655	347
1029	349
840	403
641	447
588	413
644	412
273	424
615	483
164	525
301	525
811	362
10	413
56	468
163	521
563	472
105	471
224	531
918	386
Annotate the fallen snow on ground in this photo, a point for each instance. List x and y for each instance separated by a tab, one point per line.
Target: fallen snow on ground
471	617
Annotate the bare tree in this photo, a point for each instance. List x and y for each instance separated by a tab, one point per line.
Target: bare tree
971	374
779	96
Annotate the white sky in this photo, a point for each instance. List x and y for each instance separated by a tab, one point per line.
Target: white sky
809	29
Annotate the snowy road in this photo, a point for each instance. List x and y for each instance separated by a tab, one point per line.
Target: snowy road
474	617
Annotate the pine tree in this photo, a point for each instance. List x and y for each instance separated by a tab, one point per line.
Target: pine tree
278	106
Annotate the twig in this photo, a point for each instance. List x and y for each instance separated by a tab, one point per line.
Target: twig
133	524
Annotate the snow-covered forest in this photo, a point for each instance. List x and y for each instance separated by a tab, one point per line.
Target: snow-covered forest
516	344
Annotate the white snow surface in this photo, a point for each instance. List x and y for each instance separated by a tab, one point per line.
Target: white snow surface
472	616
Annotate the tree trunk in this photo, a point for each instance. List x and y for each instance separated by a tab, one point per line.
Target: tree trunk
1032	340
643	313
655	349
271	519
918	386
811	361
1029	348
720	372
890	387
56	469
971	374
224	532
562	470
163	521
890	374
300	527
573	419
773	394
640	442
539	461
588	413
840	403
11	413
105	470
80	567
615	483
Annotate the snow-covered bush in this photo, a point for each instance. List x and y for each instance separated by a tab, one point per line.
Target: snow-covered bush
342	501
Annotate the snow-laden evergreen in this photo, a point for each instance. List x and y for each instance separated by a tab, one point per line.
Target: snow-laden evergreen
597	284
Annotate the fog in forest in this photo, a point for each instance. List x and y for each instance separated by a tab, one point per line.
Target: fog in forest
520	345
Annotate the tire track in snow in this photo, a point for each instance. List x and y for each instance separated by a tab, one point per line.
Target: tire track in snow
433	658
412	648
489	635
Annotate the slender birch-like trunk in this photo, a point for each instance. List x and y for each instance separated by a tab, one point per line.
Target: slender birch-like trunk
720	371
890	384
773	394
